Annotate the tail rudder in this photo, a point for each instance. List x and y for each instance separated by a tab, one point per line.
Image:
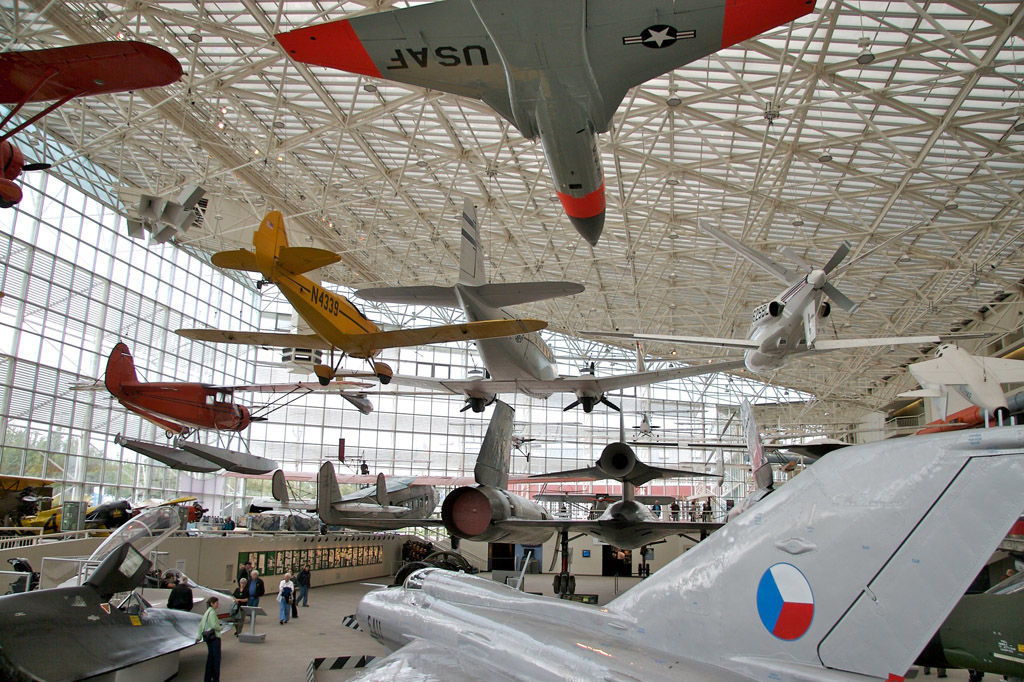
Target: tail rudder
327	494
495	456
471	256
279	487
760	467
120	369
851	566
270	236
381	496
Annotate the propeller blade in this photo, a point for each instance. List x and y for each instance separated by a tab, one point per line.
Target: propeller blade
36	166
465	407
571	405
795	257
605	401
837	257
839	298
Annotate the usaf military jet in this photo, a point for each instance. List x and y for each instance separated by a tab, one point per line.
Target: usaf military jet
841	575
524	363
788	324
975	378
554	69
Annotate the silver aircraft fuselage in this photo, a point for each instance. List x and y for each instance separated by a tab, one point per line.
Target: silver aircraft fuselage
524	356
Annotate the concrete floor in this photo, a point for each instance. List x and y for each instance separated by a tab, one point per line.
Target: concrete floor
319	633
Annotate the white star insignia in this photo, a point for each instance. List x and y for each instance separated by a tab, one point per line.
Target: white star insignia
659	37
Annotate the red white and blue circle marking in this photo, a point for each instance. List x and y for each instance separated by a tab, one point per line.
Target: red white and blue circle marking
784	601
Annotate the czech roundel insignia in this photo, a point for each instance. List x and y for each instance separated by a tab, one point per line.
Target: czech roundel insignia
785	602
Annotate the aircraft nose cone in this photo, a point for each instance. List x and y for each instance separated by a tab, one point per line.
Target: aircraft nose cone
589	228
816	278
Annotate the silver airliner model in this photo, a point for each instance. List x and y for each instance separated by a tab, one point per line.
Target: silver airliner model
788	324
974	377
524	363
555	69
397	502
841	575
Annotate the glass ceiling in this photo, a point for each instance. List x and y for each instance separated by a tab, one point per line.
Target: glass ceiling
784	140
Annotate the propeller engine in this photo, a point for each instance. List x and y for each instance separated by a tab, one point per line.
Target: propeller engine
12	164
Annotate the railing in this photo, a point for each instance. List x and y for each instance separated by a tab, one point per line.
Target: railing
9	582
25	537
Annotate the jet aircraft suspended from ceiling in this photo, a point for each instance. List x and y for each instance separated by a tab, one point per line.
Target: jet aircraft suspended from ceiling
788	324
520	364
555	69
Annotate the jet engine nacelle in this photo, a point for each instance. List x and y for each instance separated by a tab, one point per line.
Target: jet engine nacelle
825	309
471	512
617	460
768	311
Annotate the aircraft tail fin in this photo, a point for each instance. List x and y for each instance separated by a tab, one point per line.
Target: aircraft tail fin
471	257
851	566
327	494
271	242
496	451
760	466
279	487
120	369
382	491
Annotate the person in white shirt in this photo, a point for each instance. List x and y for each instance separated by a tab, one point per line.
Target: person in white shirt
285	594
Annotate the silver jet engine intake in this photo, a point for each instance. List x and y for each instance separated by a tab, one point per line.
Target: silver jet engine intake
472	512
617	461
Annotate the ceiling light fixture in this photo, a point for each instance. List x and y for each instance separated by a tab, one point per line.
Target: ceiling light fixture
825	156
1019	126
798	222
369	87
195	37
865	57
673	101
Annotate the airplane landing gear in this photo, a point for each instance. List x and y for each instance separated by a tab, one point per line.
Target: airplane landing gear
563	582
383	372
324	374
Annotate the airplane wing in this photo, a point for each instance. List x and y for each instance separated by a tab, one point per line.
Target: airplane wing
838	344
367	344
591	525
670	338
272	339
297	386
501	295
92	69
385	524
586	385
440	297
423	662
936	371
621	381
441	45
1003	369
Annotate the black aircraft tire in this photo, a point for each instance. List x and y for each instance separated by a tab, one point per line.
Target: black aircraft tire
571	589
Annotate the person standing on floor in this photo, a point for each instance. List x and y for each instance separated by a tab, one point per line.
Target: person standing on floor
180	597
256	588
241	597
303	580
209	632
285	592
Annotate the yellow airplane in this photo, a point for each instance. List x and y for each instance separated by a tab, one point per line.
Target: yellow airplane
336	323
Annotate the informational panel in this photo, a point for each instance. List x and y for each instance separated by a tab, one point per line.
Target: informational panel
281	561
